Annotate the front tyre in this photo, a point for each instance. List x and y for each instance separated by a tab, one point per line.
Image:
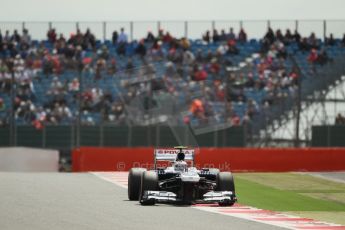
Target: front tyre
134	183
149	182
225	182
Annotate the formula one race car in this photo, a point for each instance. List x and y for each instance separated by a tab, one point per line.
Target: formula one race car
180	183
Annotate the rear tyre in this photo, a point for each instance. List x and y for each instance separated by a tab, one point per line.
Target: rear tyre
134	183
149	181
225	182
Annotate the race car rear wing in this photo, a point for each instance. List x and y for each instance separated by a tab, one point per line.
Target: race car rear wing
171	155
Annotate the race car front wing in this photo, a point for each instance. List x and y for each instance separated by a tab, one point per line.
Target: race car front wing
209	197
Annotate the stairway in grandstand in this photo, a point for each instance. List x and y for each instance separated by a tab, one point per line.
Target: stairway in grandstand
315	88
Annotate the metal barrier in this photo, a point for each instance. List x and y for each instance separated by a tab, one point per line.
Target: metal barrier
191	29
65	137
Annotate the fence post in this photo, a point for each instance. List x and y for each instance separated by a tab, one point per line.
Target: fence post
241	24
131	30
324	30
104	31
213	26
77	26
158	135
101	135
186	29
72	136
50	25
129	142
268	24
158	26
296	25
23	25
44	137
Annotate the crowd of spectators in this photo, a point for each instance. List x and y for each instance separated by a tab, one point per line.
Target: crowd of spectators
30	63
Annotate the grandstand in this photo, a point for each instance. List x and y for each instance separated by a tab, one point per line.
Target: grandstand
221	79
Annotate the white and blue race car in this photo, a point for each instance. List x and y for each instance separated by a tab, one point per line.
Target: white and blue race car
180	183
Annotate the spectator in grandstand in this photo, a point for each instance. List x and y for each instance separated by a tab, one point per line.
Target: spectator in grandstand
26	38
234	120
150	37
197	110
7	37
288	37
215	36
184	43
297	36
279	35
141	48
304	45
242	36
167	38
231	35
323	57
115	37
51	35
89	40
116	113
252	108
74	86
207	37
269	36
111	66
340	119
15	37
313	42
188	57
330	40
2	105
343	40
222	36
123	37
199	74
121	49
232	49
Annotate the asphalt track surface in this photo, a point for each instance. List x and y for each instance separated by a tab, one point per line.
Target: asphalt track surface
83	201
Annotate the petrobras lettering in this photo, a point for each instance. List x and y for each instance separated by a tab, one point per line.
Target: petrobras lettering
173	151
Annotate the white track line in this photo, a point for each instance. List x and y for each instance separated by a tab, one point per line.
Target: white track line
240	211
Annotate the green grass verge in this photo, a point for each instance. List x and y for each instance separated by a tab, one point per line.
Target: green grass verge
267	197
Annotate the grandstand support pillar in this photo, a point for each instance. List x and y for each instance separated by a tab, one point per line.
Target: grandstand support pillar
104	31
186	29
129	138
131	26
297	111
10	65
324	30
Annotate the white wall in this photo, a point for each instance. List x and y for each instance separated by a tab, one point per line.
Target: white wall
20	159
115	10
175	10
